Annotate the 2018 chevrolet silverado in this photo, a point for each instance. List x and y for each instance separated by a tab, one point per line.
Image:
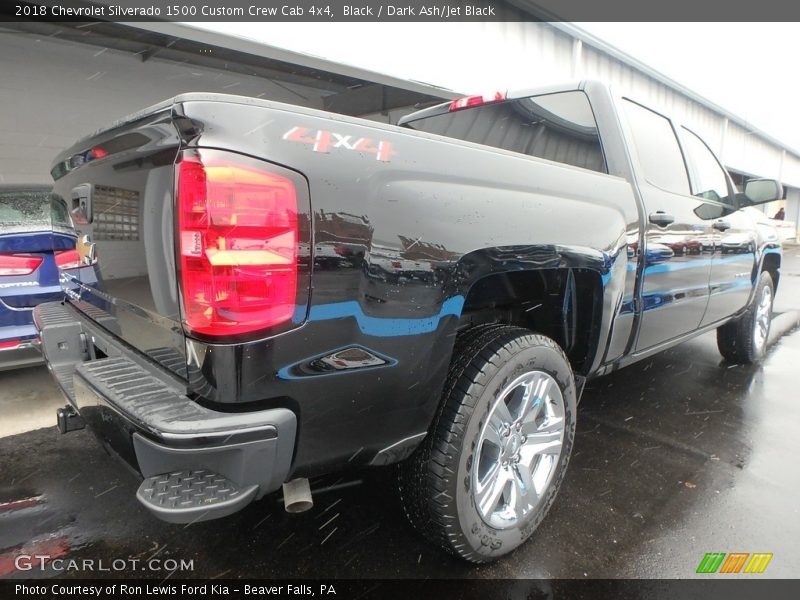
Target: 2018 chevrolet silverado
289	293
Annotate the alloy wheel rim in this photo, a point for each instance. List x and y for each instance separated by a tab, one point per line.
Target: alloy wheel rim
762	319
518	450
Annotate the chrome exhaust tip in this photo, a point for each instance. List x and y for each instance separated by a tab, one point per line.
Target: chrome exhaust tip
297	496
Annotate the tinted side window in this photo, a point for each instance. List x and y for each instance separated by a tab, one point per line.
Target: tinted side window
659	153
708	178
558	127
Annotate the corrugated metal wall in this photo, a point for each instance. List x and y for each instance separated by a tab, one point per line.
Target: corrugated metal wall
525	55
53	93
739	148
544	53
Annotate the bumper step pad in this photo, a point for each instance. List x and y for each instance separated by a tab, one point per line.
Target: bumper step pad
64	345
193	496
198	463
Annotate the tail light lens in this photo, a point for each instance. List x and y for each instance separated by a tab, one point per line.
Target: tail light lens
71	259
238	238
18	264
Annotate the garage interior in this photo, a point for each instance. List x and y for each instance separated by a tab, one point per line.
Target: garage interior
100	72
97	73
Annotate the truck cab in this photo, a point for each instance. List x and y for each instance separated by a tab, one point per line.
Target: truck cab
695	255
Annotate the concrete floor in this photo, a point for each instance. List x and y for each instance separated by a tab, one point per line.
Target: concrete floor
675	456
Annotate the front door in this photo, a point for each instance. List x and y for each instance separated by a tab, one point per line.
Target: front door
734	241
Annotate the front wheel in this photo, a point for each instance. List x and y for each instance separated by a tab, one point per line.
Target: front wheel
488	472
744	340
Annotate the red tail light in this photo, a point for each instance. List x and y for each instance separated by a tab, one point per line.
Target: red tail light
237	240
71	259
9	344
471	101
18	264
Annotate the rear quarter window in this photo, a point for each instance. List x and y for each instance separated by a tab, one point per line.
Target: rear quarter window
26	211
560	127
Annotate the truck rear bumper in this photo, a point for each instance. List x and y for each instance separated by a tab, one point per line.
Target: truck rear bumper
198	463
24	354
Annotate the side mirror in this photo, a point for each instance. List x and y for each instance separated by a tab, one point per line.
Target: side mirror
760	191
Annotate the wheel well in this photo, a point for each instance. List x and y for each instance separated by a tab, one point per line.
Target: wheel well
562	304
772	264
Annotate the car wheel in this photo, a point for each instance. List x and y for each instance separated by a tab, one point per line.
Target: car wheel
490	468
744	340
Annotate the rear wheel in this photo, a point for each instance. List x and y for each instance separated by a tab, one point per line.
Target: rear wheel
490	468
744	340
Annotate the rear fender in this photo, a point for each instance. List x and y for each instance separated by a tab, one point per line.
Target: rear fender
609	268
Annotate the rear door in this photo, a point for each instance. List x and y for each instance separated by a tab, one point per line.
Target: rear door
675	274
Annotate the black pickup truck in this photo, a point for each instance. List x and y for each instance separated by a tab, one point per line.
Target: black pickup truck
286	293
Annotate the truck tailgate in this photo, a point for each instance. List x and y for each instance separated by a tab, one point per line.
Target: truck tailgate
125	177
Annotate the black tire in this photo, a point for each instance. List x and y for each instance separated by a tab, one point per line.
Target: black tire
436	481
739	340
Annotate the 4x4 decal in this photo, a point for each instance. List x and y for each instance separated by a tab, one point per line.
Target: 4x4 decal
322	140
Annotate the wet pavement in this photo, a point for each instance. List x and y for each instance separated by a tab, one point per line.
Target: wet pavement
676	456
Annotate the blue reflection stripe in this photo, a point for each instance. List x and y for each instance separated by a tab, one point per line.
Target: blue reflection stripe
694	263
383	326
659	299
727	285
697	263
